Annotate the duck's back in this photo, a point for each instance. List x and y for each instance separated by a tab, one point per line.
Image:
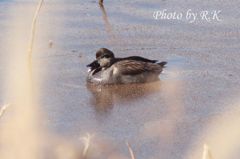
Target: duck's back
132	71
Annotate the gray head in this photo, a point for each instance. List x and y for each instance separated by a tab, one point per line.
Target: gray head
105	57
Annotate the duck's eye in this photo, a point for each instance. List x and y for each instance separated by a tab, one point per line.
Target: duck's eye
106	56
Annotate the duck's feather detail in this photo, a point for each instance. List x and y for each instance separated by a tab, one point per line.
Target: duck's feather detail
133	67
139	58
163	63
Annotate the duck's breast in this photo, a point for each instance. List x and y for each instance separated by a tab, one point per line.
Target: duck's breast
102	77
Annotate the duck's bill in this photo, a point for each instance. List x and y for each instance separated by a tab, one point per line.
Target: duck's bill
94	64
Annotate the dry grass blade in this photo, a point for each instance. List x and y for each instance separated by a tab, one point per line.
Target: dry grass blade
86	141
3	109
33	30
206	152
130	151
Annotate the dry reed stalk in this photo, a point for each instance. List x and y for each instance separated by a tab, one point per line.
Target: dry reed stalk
86	141
100	2
130	151
33	31
3	109
206	152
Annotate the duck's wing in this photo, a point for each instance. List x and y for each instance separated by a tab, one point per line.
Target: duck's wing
139	58
133	67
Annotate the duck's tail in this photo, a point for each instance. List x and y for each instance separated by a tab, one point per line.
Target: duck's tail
163	63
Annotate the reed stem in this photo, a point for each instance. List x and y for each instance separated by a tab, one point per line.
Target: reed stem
130	151
100	2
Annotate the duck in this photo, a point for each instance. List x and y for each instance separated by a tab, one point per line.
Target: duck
108	69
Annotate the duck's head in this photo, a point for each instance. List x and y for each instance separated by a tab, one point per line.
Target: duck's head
105	57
